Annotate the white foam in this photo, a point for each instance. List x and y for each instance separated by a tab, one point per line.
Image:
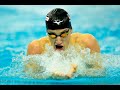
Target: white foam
53	61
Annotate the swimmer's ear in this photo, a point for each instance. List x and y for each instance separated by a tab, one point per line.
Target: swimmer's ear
70	31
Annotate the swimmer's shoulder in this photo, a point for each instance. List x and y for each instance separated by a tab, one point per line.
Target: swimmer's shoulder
77	34
44	40
90	42
81	35
86	40
74	37
37	46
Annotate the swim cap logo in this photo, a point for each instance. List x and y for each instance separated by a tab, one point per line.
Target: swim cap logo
47	18
57	21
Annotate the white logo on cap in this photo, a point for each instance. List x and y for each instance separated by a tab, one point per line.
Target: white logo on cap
57	21
47	18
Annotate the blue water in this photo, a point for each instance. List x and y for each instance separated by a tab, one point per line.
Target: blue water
20	24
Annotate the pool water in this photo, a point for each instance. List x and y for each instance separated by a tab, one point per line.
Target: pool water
20	24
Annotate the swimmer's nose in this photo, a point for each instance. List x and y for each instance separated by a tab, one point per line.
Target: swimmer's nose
59	40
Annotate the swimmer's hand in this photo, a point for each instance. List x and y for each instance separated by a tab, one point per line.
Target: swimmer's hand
95	69
72	70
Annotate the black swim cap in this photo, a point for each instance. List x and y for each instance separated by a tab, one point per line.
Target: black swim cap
58	19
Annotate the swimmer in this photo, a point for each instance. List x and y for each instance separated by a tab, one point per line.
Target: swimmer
60	36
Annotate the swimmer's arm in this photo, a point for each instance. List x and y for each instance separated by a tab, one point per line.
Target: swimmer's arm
91	43
68	75
31	65
95	67
34	48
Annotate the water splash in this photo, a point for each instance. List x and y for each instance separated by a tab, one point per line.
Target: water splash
43	66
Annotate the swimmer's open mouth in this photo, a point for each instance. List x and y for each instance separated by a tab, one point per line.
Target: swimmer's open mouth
59	47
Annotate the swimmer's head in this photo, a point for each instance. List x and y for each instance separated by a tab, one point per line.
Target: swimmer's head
59	28
58	19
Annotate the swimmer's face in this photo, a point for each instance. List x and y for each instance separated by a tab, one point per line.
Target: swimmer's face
59	38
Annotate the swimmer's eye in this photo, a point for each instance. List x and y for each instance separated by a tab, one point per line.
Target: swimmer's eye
53	36
64	35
